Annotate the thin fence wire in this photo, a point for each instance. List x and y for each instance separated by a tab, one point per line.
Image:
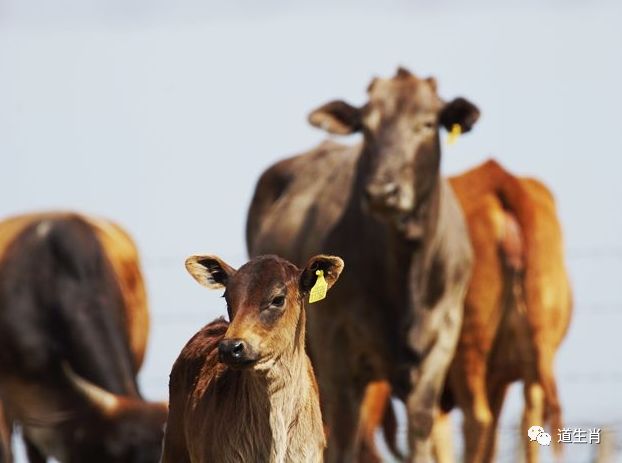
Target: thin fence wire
572	254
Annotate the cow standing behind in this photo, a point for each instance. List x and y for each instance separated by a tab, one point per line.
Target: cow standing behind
383	206
73	330
260	404
517	309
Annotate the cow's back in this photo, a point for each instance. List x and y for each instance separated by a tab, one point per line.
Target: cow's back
119	250
298	201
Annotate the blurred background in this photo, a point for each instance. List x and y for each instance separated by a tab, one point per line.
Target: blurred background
161	116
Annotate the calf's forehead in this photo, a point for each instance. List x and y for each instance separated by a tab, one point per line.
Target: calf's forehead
255	279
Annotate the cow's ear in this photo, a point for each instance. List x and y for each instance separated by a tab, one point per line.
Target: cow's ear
337	117
459	111
331	267
209	271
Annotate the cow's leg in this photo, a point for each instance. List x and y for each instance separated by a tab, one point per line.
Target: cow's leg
428	378
546	376
342	421
496	397
33	453
375	410
469	376
341	396
533	415
342	410
443	438
6	434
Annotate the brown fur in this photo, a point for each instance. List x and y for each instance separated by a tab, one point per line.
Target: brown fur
123	256
517	311
268	411
25	399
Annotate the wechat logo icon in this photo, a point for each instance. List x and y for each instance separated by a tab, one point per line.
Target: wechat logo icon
537	433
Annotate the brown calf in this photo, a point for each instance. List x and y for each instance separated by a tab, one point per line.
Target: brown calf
517	312
245	391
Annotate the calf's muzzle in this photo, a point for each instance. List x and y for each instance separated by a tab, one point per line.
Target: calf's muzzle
236	353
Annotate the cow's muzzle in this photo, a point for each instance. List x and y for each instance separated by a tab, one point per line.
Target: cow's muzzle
236	353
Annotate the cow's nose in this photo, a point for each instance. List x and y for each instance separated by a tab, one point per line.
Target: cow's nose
385	194
231	350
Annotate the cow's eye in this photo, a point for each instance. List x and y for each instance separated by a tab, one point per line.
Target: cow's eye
278	301
423	125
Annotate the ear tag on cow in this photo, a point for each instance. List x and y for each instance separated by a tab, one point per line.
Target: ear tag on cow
456	131
318	292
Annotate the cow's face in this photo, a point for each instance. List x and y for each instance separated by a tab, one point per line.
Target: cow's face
400	124
265	301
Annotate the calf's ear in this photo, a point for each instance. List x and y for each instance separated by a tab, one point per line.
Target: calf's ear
209	271
459	111
330	265
337	117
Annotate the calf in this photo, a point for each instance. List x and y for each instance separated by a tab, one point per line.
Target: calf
245	391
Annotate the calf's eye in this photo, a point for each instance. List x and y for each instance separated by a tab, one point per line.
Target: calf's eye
278	301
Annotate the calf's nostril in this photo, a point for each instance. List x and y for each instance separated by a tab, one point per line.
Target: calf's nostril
238	348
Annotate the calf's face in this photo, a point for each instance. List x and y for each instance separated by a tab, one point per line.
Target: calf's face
265	302
400	124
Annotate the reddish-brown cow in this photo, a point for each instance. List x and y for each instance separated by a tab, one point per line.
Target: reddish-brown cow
74	325
260	403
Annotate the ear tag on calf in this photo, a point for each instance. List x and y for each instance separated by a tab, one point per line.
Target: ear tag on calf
318	292
456	131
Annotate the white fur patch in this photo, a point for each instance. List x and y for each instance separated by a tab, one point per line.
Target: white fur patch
43	228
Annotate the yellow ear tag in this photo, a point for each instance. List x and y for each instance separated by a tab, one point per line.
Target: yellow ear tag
318	292
452	137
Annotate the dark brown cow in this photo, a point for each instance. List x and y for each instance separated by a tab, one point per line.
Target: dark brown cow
260	404
517	311
383	206
73	329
